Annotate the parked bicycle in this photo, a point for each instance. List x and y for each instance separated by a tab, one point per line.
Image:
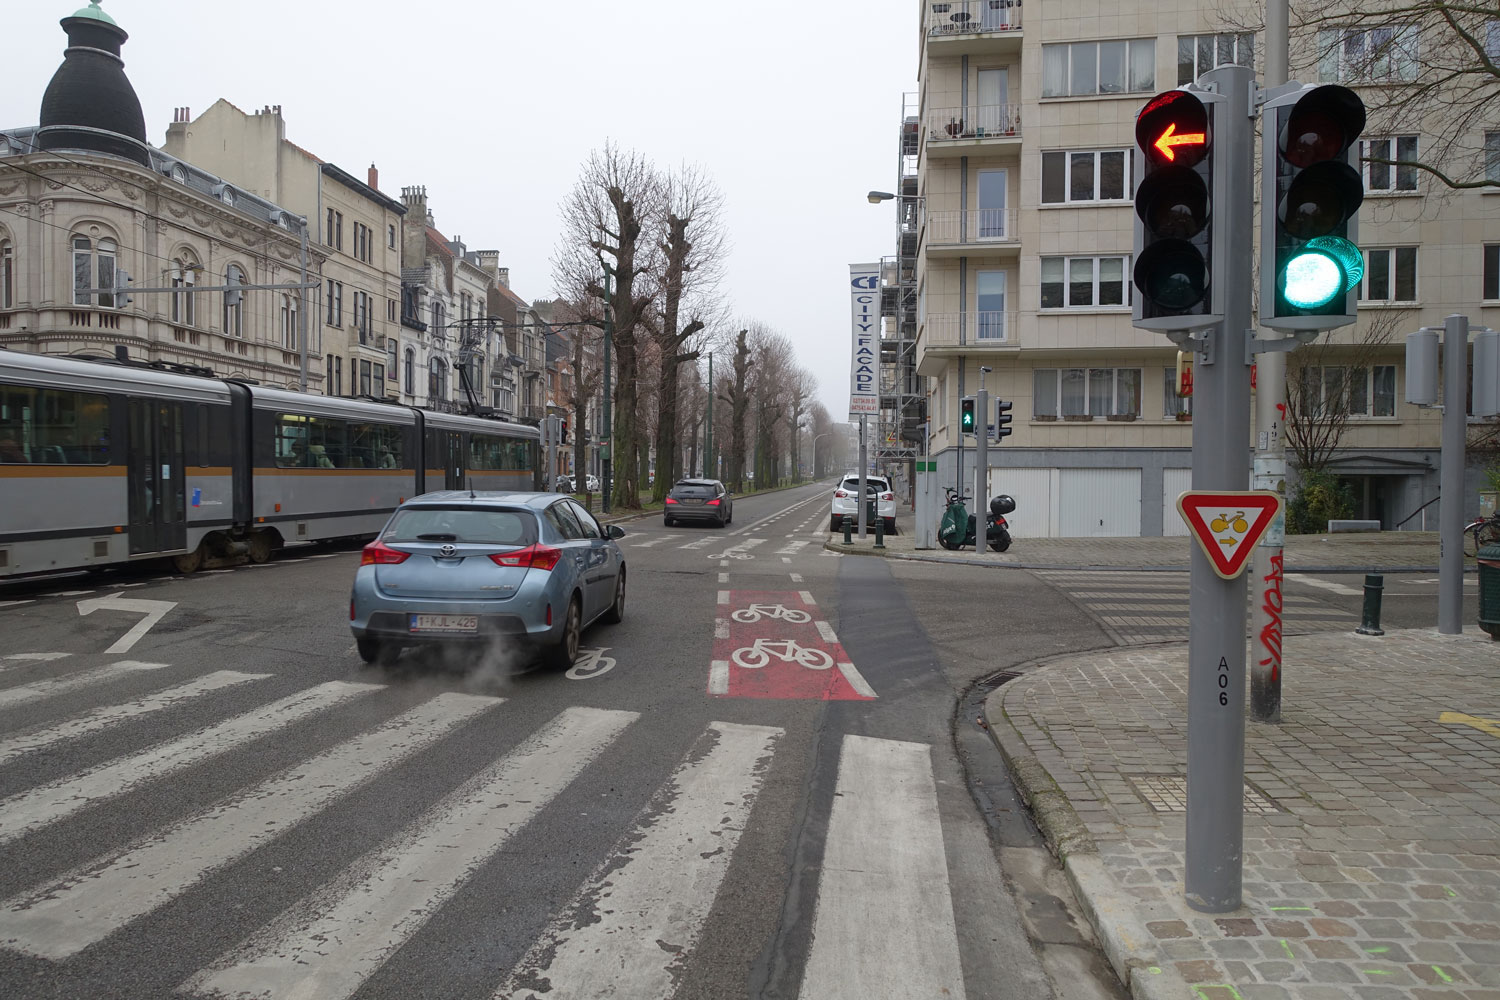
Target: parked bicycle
756	612
1484	531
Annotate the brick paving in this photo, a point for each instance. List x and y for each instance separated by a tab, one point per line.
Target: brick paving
1373	873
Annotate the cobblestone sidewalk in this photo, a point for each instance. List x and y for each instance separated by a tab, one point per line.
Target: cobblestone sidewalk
1372	833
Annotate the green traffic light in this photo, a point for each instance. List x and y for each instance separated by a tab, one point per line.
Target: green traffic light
1324	269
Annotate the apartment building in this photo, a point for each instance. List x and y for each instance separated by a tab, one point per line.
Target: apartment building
84	197
1015	202
356	317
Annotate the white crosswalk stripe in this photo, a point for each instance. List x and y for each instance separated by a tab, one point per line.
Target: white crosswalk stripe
60	918
109	716
660	882
884	889
28	811
650	542
698	543
26	693
329	945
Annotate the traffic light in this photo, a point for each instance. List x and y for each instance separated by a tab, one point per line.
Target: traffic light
564	436
1174	212
1002	418
1311	264
122	287
966	415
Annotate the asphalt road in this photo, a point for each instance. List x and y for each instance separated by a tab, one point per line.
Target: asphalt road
768	782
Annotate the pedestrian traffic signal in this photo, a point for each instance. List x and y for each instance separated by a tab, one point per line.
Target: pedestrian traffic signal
1311	264
1002	418
966	414
1174	212
564	436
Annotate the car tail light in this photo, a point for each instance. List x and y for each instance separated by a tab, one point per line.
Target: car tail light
380	554
840	494
531	557
887	496
670	500
712	503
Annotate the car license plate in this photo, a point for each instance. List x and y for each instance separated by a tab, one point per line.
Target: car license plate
692	501
444	623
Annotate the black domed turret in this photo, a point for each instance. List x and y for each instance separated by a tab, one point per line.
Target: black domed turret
90	103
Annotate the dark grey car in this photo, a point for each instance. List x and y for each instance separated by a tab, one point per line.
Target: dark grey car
698	500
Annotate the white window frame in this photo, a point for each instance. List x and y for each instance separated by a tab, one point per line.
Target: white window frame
1396	59
1067	264
1367	390
1492	156
1088	373
1127	193
184	303
1173	404
1392	260
99	258
1388	147
1239	41
1066	49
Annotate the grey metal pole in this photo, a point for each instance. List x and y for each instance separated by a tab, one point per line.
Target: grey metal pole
863	488
1451	507
708	428
606	484
302	313
1221	435
981	464
1266	664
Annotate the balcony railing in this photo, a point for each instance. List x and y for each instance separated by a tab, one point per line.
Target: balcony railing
968	17
975	226
988	121
977	327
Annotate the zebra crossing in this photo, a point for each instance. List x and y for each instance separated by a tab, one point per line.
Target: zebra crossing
1143	607
738	548
657	884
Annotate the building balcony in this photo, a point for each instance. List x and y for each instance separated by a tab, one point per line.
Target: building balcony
973	27
946	335
992	128
980	232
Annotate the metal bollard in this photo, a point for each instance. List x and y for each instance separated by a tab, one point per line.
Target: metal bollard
848	529
880	532
1370	617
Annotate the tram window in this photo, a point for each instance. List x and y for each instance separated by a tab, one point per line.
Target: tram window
53	427
492	454
203	461
304	442
374	446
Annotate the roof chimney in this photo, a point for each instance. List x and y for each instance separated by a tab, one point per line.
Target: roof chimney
374	178
502	275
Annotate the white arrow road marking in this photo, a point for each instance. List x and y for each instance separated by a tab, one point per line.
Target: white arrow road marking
153	610
20	695
113	715
31	810
58	919
327	945
884	926
632	928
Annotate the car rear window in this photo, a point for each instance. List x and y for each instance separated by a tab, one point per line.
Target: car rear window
871	484
489	525
694	490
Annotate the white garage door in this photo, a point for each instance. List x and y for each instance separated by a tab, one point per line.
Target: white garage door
1174	482
1099	502
1032	489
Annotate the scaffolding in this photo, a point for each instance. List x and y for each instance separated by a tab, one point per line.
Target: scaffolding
903	398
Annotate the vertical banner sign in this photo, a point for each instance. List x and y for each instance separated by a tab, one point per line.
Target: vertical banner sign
864	299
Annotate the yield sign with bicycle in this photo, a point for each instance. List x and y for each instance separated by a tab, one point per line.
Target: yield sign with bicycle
775	644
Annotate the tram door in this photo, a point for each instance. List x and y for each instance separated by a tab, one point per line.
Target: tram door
158	508
453	449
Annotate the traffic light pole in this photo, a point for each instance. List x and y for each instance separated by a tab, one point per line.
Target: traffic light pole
864	462
981	464
1221	431
1266	602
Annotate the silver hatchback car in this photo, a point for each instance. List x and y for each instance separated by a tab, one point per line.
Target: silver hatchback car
458	566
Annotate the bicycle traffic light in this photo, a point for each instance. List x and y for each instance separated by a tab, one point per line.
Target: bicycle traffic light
1311	264
1002	418
1174	204
966	415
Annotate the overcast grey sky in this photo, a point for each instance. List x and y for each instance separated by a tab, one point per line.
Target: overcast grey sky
792	105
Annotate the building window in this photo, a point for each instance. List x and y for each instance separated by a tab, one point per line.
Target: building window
1197	54
7	275
437	319
364	377
1080	69
1331	390
1492	157
335	303
1385	177
1074	282
1069	176
234	303
1492	271
184	306
288	323
1387	54
390	356
390	310
338	230
334	386
409	371
378	378
437	380
390	236
1173	405
362	316
328	231
1390	275
1086	392
93	267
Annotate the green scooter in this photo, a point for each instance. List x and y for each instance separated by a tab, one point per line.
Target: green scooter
958	525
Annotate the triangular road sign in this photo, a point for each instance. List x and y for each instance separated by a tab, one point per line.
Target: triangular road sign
1227	524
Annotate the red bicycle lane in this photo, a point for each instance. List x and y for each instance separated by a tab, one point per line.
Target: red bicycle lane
775	644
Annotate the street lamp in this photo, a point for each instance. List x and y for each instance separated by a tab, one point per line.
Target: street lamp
815	453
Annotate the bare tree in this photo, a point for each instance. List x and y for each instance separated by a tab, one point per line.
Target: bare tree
799	390
775	365
608	222
735	391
